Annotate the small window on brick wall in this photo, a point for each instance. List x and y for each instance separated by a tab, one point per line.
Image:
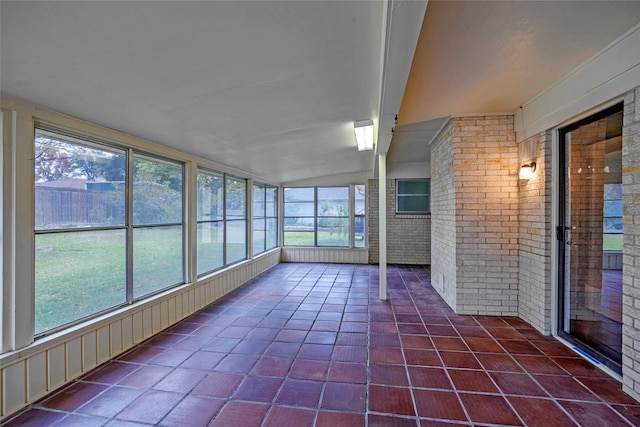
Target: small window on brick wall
413	196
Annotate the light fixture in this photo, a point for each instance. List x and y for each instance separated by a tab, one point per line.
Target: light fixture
364	134
527	170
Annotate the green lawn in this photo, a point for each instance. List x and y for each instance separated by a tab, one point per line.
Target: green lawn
612	242
81	273
305	238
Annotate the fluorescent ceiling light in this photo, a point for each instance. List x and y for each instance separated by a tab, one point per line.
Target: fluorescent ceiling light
364	134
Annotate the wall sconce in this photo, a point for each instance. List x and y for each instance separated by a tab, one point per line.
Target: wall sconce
527	170
364	134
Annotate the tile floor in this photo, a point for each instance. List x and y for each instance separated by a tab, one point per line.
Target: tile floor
312	345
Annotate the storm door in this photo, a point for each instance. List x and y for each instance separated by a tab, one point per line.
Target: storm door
589	236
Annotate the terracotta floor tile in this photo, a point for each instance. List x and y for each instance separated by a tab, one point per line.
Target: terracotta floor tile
390	400
111	402
141	354
291	335
458	359
283	416
34	417
416	341
488	409
386	355
498	362
258	389
239	363
315	352
429	377
272	367
591	414
293	346
248	346
539	365
579	367
469	380
439	405
516	383
171	357
422	357
309	369
73	396
241	414
286	350
180	380
110	373
203	360
321	337
345	353
193	411
565	388
390	421
151	407
300	393
520	347
442	331
449	343
540	412
221	345
395	375
384	340
351	338
483	345
348	372
218	384
342	396
335	419
608	390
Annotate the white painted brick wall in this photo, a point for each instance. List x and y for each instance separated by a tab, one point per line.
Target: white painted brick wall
536	238
631	256
408	236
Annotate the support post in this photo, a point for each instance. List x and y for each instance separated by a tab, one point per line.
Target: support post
382	222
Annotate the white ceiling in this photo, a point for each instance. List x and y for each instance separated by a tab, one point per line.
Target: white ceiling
272	87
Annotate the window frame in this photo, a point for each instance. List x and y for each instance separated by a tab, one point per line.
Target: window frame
264	217
127	226
399	195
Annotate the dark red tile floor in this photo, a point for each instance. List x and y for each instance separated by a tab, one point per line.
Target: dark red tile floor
312	345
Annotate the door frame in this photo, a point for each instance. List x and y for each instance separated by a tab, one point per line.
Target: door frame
559	162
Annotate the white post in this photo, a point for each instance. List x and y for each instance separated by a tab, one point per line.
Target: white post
382	222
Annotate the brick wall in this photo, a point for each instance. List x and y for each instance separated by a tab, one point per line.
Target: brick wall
443	215
536	237
486	184
631	257
408	236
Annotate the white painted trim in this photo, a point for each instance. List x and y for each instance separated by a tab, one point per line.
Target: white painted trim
382	224
325	255
555	176
606	75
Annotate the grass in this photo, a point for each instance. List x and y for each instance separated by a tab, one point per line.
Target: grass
81	273
612	242
305	238
78	274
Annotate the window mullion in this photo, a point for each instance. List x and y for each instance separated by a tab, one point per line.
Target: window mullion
129	224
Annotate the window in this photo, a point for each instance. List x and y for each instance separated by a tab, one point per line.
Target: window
612	238
359	217
85	223
235	219
222	220
265	218
413	196
319	216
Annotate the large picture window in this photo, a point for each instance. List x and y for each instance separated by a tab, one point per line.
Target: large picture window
265	218
105	233
319	216
222	220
